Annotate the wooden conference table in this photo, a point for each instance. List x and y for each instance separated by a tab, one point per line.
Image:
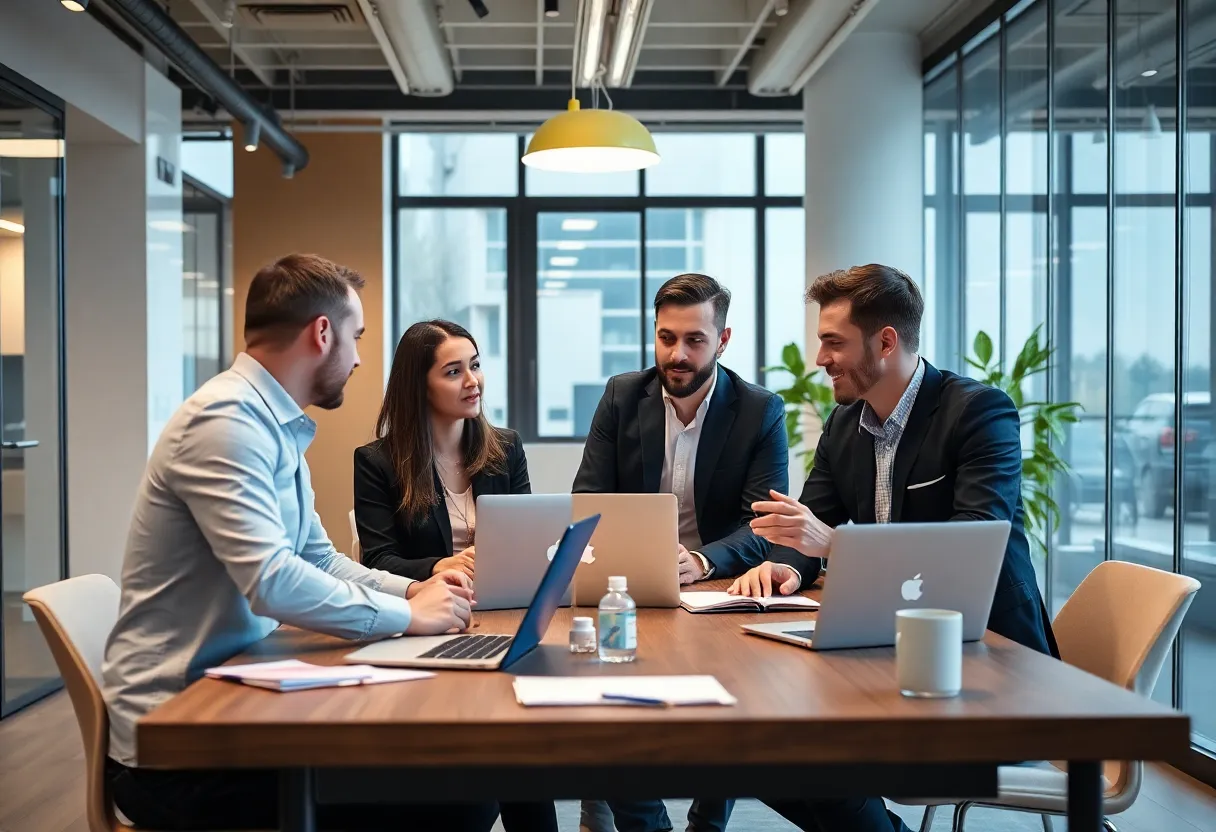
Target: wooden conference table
806	725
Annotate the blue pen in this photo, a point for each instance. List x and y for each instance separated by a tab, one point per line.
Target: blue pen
636	700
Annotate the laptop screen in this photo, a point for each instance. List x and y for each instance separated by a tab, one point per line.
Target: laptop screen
552	587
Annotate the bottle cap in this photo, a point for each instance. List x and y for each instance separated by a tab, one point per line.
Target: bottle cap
582	622
617	583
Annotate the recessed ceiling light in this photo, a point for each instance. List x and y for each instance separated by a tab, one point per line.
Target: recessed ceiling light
74	5
563	261
1148	73
571	245
579	224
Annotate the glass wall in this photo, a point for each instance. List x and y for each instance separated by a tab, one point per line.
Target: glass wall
555	274
1086	209
206	287
31	397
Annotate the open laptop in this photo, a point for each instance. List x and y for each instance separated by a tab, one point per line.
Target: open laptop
877	569
489	651
638	537
516	536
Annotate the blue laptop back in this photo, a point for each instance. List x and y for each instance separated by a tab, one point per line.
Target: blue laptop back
552	586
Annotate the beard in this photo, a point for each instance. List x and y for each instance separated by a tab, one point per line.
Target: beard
329	387
861	379
700	375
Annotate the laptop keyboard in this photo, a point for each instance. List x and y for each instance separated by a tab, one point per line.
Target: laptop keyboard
806	634
469	647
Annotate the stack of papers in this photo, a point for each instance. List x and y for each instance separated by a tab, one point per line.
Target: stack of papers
658	691
722	602
293	674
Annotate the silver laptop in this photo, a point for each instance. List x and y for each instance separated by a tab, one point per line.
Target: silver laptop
516	536
638	537
877	569
489	651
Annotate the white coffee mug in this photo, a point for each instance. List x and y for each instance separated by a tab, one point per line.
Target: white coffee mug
929	652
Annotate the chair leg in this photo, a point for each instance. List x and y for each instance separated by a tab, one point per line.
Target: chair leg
1047	824
1109	825
960	816
926	823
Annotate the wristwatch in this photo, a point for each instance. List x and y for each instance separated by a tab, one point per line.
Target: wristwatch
705	564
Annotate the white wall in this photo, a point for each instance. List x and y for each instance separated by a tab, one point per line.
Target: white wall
123	298
73	56
864	148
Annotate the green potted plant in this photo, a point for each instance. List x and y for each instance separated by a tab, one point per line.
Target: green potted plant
807	394
1041	464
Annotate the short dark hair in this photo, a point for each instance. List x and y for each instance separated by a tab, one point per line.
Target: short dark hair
881	296
692	289
292	292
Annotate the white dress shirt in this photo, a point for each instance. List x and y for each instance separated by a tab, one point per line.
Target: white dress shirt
679	466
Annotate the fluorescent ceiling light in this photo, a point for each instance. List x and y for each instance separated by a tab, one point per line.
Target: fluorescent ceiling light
632	17
571	245
1148	73
558	274
74	5
31	148
579	224
589	39
555	284
563	261
15	227
413	46
801	44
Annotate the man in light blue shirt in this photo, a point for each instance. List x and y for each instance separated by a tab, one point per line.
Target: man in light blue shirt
225	545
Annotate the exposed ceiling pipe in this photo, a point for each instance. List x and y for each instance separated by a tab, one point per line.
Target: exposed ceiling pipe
151	22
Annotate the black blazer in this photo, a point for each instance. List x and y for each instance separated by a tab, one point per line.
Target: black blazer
388	540
742	453
963	437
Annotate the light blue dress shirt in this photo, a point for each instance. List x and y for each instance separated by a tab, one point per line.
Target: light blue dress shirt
224	545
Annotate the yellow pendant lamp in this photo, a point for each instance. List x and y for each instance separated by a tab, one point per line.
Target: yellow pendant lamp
591	141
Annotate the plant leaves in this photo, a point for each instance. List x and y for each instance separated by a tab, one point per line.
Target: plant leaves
982	348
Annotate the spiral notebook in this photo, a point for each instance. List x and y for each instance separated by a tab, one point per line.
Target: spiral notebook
724	602
292	674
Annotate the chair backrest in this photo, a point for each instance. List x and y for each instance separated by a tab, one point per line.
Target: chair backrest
1119	624
356	551
76	617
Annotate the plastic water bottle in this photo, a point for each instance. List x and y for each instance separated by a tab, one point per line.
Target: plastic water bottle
618	623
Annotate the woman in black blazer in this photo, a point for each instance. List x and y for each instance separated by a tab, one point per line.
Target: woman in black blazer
436	440
416	486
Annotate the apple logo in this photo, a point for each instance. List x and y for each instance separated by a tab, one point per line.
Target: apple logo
588	553
911	588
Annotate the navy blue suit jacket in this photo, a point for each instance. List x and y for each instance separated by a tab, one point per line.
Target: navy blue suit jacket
741	454
965	433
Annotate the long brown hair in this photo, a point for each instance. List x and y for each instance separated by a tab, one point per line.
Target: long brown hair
404	423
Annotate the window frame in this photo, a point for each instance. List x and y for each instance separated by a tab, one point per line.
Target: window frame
522	211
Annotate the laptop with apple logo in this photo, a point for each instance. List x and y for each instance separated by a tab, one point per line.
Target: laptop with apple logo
877	569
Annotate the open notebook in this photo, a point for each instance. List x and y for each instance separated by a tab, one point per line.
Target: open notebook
293	674
723	602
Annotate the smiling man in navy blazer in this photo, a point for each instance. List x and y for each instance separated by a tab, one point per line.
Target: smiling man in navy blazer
692	428
909	443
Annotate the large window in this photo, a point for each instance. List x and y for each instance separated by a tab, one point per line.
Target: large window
555	274
1099	230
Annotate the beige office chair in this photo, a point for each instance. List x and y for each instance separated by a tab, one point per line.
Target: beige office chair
76	617
1119	624
356	551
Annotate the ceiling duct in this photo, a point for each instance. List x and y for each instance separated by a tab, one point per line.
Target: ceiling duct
151	22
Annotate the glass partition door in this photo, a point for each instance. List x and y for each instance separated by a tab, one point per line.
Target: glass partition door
31	401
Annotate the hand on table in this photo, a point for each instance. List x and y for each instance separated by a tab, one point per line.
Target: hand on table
441	604
784	521
758	581
461	562
691	569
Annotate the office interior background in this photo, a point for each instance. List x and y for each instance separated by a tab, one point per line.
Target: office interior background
1043	163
